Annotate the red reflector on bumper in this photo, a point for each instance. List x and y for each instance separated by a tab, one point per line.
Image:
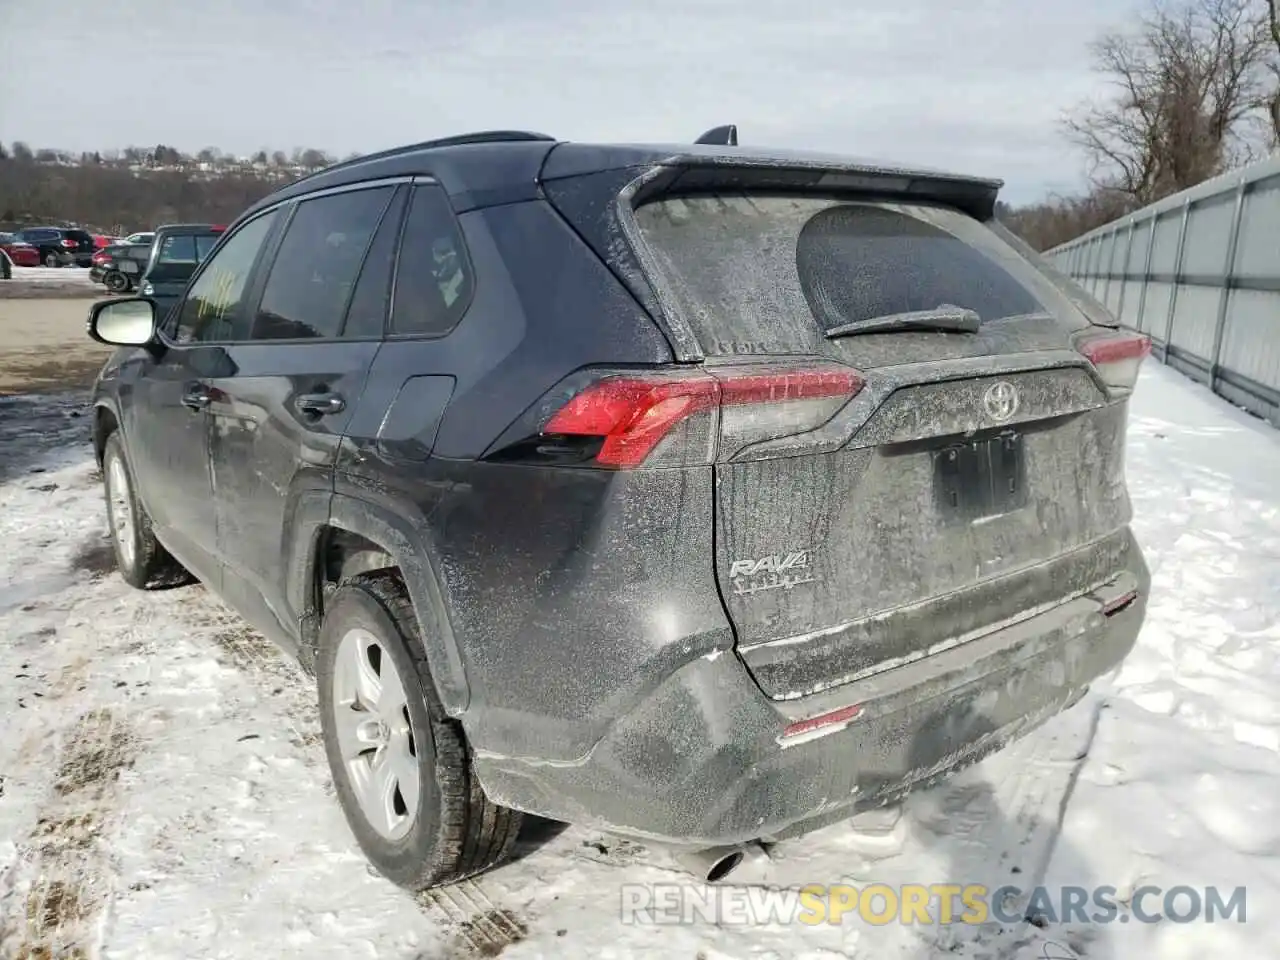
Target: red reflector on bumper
836	718
1119	603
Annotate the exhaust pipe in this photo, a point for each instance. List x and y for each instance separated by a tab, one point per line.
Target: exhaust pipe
714	864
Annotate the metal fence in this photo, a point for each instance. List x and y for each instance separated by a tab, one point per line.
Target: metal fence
1199	272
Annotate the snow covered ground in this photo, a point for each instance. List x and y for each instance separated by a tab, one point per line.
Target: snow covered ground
163	793
50	281
53	275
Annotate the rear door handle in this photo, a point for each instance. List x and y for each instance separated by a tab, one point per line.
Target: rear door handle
319	404
196	398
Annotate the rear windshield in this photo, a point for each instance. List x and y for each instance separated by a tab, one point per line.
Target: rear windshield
773	274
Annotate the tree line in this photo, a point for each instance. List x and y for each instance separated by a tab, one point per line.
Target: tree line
137	188
1193	90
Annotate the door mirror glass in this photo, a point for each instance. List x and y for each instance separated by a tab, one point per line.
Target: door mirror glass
123	323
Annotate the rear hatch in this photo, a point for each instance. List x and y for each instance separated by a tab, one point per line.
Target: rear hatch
79	242
919	432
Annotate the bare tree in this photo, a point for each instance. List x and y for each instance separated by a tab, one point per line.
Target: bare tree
1190	85
1273	29
21	152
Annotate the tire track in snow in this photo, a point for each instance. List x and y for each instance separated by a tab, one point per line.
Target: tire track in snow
277	677
62	881
1000	822
480	928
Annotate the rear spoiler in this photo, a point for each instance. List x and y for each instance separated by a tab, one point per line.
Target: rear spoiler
713	171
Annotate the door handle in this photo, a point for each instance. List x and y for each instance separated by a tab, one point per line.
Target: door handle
319	404
196	398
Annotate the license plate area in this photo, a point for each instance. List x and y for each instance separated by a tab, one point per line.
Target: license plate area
979	478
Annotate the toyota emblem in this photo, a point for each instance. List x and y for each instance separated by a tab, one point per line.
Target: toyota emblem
1001	401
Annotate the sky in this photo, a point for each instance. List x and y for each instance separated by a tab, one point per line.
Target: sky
975	86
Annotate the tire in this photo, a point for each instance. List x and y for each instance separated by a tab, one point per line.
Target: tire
116	282
6	266
142	561
452	831
51	260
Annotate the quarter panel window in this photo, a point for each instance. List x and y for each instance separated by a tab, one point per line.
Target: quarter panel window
434	278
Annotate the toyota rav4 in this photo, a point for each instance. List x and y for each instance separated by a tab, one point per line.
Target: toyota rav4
696	493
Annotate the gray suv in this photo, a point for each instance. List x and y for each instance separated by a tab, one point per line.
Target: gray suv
697	493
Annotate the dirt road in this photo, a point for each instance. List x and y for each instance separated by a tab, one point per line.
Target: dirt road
44	347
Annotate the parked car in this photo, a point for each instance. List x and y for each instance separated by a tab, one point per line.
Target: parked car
120	268
19	253
699	493
177	250
59	246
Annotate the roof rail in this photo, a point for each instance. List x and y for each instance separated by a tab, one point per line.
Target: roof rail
726	136
483	136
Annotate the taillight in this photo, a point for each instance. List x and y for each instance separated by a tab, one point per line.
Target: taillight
68	243
1117	357
699	416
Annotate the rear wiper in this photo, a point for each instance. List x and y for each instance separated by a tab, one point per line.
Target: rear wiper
946	318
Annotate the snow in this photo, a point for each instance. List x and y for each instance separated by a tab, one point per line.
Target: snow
65	276
163	793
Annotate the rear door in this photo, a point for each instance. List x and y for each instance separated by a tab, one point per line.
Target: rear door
894	493
280	412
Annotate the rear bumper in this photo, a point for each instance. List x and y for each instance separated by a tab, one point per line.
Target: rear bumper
699	761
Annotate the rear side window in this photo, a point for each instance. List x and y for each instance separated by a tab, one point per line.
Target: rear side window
315	270
433	275
771	274
177	248
203	245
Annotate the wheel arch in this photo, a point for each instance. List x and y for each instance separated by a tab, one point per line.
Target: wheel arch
362	537
105	423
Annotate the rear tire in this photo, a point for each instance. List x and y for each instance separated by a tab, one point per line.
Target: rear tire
142	560
403	772
116	282
51	260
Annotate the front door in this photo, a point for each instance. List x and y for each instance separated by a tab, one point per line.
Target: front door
170	432
167	430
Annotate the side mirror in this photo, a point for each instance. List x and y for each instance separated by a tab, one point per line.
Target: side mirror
126	322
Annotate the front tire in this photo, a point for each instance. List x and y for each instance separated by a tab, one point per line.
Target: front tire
400	766
140	557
